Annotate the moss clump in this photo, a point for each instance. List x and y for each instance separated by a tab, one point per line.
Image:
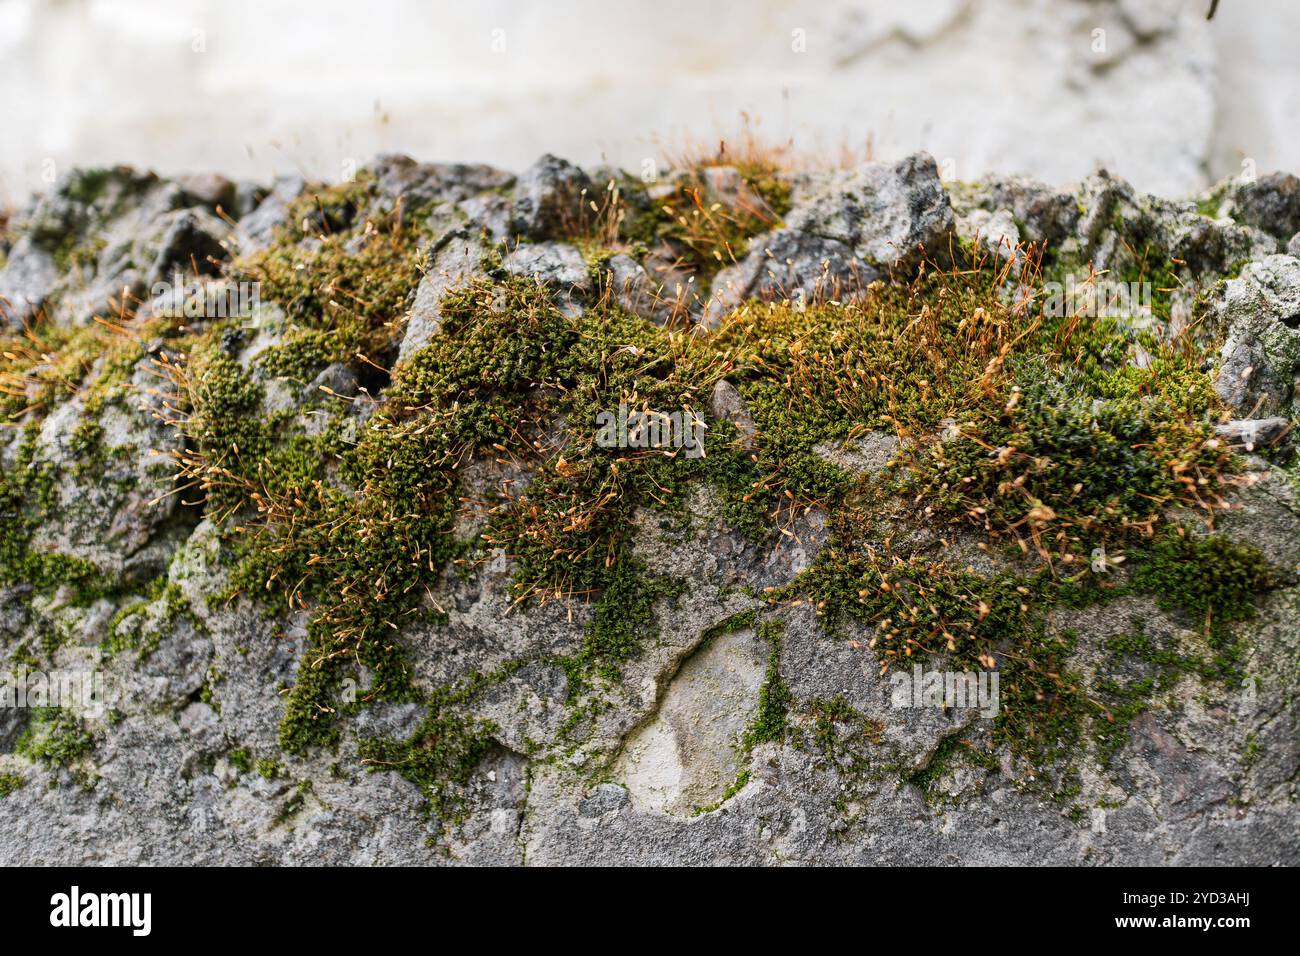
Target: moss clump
701	227
10	783
624	617
770	721
55	738
305	351
131	628
440	756
1037	433
343	280
48	363
921	609
951	749
1214	582
838	731
29	492
1064	467
241	759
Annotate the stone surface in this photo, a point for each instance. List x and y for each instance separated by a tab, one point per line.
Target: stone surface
727	405
186	765
886	213
790	264
691	751
550	195
554	263
451	259
1260	359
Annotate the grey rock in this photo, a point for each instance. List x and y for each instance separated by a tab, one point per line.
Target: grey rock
1271	203
789	264
1212	246
1260	359
28	277
248	196
139	252
726	184
996	231
549	198
1105	200
488	214
557	264
121	516
453	259
727	405
868	455
334	379
105	229
194	244
1044	214
211	190
690	753
1125	232
883	212
622	769
256	230
605	798
13	721
1253	433
632	288
420	186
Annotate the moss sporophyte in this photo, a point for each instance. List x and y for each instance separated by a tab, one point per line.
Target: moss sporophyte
1026	438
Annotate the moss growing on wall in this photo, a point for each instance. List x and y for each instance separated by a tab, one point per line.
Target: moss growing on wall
1036	439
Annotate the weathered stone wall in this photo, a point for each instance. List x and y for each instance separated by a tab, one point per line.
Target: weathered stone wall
708	708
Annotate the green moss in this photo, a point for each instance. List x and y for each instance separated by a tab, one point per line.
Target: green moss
740	621
1061	445
770	721
1250	753
338	274
10	783
132	628
49	363
733	788
29	492
951	749
694	226
624	617
241	759
297	800
840	733
920	609
440	756
1213	582
304	351
55	738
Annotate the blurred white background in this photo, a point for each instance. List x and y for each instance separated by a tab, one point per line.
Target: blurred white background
252	88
